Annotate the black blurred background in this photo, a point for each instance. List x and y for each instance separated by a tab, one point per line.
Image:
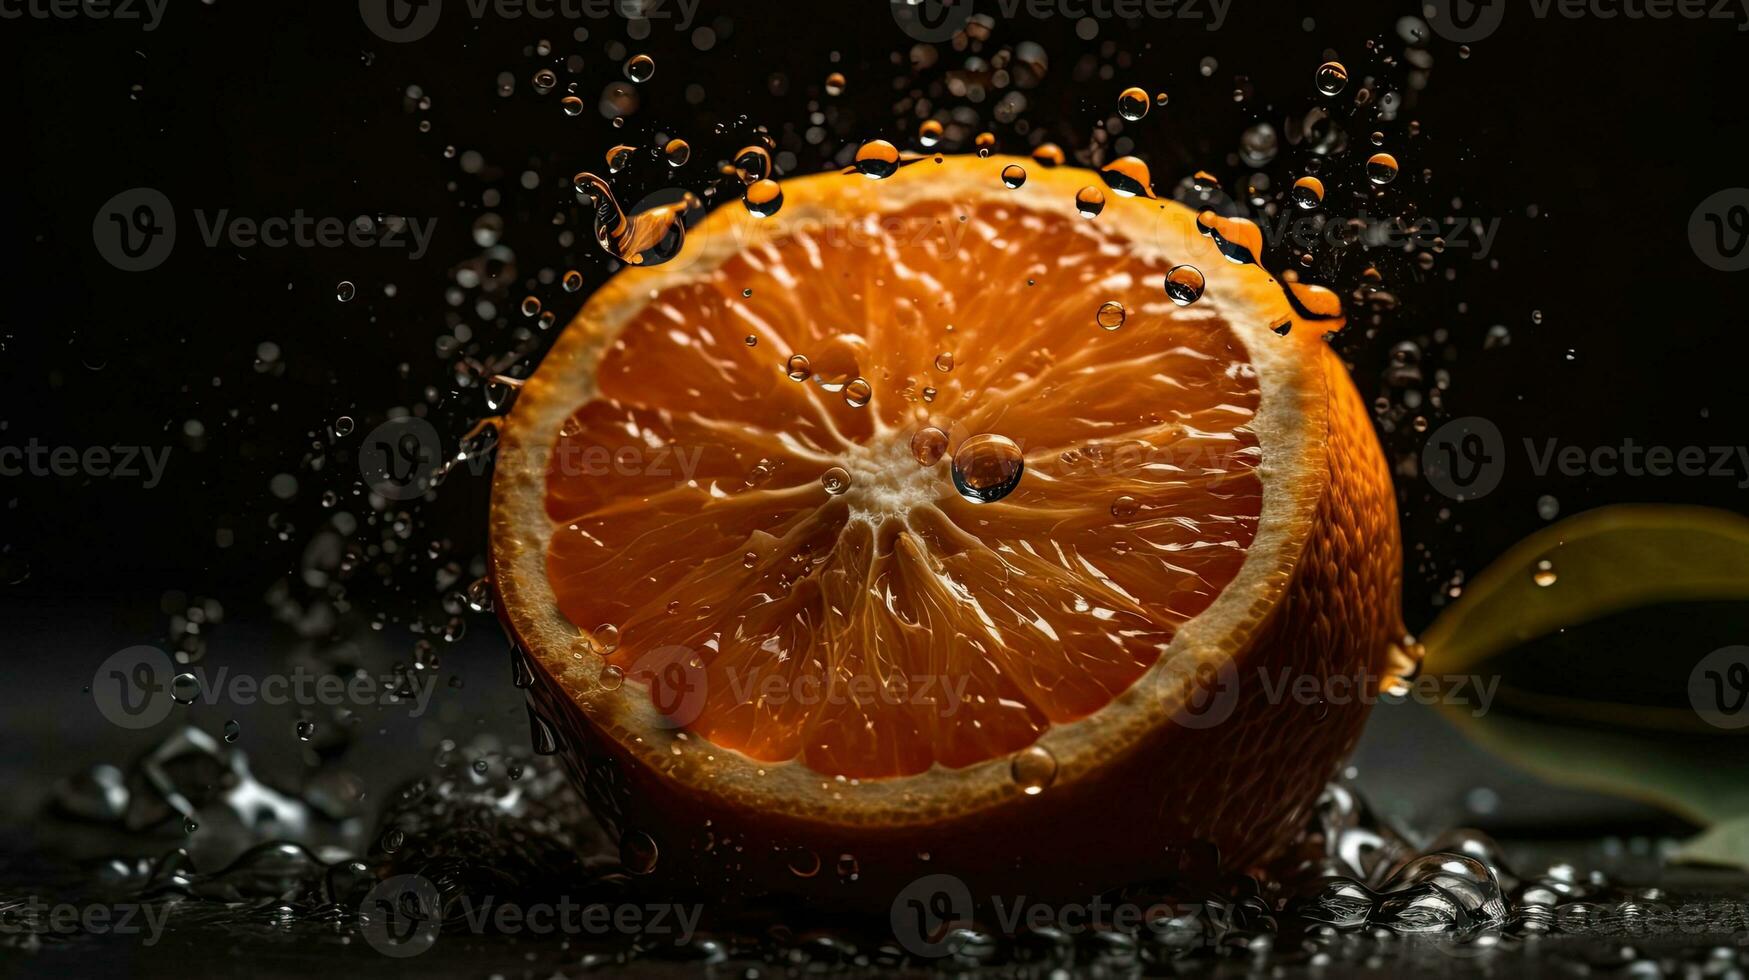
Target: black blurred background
1592	141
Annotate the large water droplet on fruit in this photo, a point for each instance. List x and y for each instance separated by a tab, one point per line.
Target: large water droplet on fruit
1184	284
987	467
1034	769
877	159
928	445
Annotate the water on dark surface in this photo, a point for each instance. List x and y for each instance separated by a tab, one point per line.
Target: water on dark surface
488	865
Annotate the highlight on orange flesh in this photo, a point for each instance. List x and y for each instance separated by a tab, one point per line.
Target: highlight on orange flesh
752	524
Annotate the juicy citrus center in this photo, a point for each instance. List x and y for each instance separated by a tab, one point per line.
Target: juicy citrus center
836	597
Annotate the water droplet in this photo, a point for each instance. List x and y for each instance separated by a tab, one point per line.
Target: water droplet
1332	77
530	306
638	852
835	84
677	152
1013	176
797	368
929	133
763	198
987	467
1034	769
928	445
1089	201
1308	192
928	394
750	340
619	157
1184	284
944	361
343	426
804	863
1048	155
1111	315
611	678
857	393
877	159
345	291
1132	104
1544	574
572	105
986	144
1547	507
184	688
1381	168
835	480
189	825
1128	176
606	638
501	392
306	729
1124	507
641	68
752	164
233	730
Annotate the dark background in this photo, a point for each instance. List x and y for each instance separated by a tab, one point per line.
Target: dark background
1592	141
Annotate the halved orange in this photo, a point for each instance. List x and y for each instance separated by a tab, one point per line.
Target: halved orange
784	648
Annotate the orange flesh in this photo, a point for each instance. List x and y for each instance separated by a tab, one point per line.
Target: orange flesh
898	625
